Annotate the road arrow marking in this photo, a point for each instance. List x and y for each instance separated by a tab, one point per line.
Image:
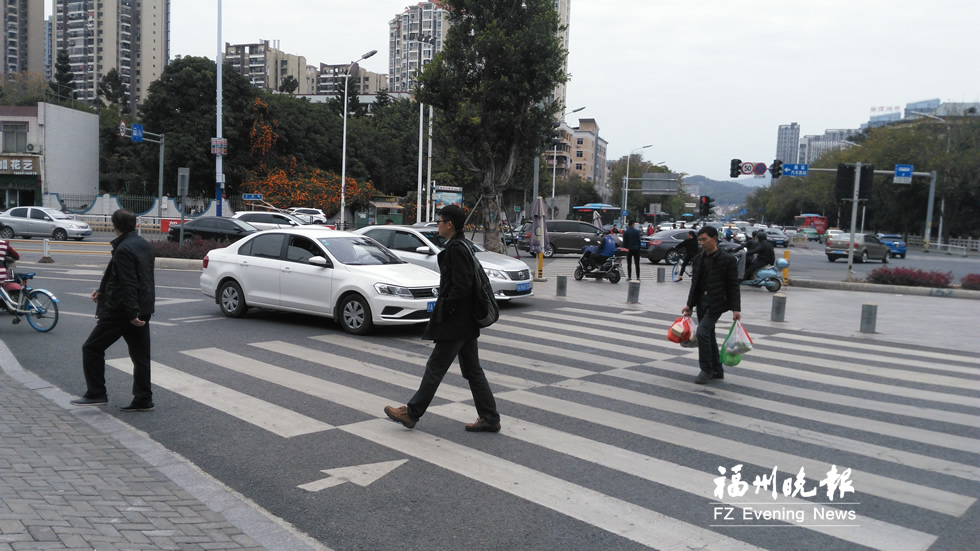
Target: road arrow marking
362	475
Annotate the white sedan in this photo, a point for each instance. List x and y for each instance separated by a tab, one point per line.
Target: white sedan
339	275
509	277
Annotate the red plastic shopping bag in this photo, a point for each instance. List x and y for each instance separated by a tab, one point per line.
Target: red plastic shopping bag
680	331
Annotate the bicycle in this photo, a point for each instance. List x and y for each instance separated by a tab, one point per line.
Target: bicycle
676	273
38	305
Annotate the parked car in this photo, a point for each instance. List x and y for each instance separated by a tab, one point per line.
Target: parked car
565	236
662	243
509	277
866	247
270	220
308	215
211	227
778	238
42	222
894	242
350	278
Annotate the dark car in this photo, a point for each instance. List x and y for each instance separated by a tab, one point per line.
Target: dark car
211	227
565	236
777	238
895	244
661	244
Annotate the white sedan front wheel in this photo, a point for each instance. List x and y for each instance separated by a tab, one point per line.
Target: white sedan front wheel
355	315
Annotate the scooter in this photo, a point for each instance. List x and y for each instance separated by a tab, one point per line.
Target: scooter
611	269
767	276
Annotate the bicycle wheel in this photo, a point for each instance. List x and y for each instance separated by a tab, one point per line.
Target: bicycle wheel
676	273
42	312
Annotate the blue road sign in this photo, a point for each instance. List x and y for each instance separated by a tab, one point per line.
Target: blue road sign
138	133
903	174
741	212
796	170
251	197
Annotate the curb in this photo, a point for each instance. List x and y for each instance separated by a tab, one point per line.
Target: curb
178	264
890	289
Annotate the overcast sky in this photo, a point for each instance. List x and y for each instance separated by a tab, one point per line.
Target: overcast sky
703	81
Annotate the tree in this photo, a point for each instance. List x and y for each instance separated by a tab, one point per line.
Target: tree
22	89
114	90
493	80
288	85
381	100
63	84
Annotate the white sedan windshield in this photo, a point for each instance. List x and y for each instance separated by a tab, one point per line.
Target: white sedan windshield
358	251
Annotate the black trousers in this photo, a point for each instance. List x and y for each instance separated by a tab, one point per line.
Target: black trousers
104	335
632	256
469	363
709	356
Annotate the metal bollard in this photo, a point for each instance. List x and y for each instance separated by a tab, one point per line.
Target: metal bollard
661	275
778	312
869	314
561	286
46	258
633	294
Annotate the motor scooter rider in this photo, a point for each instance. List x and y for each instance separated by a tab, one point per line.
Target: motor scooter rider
604	251
763	252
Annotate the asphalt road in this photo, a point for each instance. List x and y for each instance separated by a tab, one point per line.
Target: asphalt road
606	443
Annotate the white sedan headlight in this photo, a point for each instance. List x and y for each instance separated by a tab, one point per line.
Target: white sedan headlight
495	274
75	226
394	290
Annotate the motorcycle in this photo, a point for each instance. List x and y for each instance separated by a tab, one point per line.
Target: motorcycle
767	276
611	269
38	305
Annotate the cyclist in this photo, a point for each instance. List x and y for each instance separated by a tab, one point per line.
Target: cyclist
688	248
7	254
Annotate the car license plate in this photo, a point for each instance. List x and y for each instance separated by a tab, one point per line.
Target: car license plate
430	306
521	287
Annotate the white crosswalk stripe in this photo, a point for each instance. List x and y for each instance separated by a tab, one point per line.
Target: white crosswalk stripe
619	384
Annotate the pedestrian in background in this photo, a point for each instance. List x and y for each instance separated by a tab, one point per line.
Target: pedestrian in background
688	249
714	291
124	304
454	330
631	240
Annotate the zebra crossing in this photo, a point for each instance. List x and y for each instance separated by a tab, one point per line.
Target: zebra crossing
609	393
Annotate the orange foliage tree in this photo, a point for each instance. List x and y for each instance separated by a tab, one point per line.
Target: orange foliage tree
283	183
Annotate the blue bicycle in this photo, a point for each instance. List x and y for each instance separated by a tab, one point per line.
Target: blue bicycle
38	305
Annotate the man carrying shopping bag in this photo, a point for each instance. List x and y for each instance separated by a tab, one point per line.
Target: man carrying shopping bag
714	290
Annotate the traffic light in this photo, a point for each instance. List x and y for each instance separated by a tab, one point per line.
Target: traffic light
867	176
845	182
776	169
736	168
555	134
706	204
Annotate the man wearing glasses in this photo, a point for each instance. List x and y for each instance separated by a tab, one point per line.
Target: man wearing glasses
454	330
714	290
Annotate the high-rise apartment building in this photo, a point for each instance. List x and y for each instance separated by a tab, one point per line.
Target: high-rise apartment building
564	8
788	143
23	36
813	146
414	37
265	65
130	36
587	154
330	80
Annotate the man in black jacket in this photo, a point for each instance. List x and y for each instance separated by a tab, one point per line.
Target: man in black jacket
124	303
454	330
762	254
632	242
714	290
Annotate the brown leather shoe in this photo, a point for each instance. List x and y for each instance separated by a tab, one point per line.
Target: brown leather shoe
401	415
482	425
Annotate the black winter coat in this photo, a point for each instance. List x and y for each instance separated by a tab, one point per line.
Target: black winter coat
723	290
127	290
452	317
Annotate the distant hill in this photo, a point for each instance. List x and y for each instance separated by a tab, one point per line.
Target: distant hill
723	192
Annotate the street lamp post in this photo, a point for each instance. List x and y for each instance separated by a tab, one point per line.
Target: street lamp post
343	155
932	190
626	179
554	160
421	39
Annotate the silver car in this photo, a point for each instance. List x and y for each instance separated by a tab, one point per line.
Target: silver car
42	222
270	220
509	277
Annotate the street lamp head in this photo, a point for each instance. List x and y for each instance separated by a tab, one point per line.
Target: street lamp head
369	54
576	110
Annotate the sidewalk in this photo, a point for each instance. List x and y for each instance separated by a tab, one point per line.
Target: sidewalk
77	478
